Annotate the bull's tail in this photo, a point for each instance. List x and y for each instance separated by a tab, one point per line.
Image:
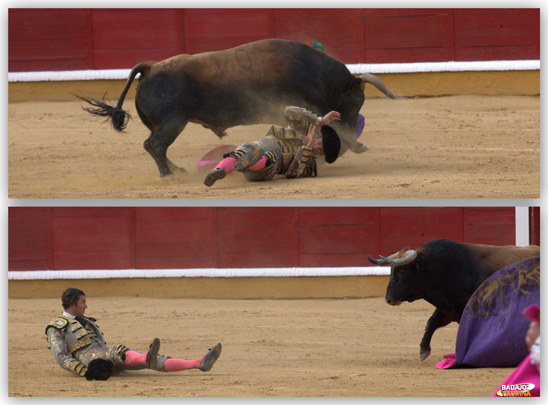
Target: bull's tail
118	116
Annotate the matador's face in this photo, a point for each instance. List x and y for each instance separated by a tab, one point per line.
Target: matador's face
79	308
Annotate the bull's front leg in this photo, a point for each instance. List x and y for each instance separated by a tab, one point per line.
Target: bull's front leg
438	319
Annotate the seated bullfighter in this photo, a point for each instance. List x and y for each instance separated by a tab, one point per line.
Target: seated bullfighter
79	347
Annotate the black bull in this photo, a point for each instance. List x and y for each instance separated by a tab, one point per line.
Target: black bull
445	274
249	84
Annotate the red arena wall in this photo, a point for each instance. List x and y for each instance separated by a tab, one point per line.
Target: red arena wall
81	39
73	238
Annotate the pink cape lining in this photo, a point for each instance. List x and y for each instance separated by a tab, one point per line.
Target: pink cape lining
214	156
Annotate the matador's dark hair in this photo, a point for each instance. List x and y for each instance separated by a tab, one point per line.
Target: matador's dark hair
70	296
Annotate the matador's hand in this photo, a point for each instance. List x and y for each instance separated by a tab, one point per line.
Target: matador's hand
330	117
313	138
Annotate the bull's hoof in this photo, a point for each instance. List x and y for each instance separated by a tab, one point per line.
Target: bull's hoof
425	353
359	148
176	169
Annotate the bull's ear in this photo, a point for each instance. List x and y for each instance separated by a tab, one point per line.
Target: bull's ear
357	82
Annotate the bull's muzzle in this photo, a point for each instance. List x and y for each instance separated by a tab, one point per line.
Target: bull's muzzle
391	301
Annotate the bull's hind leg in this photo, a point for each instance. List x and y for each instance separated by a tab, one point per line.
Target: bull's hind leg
156	145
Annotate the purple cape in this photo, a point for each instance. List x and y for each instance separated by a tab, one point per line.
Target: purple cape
492	328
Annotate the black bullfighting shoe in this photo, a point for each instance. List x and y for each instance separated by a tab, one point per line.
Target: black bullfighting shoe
152	360
213	176
249	159
211	357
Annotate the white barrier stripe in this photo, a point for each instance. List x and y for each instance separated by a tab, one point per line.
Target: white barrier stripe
376	68
454	148
212	273
430	67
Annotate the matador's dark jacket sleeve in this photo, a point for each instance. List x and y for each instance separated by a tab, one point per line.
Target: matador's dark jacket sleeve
56	333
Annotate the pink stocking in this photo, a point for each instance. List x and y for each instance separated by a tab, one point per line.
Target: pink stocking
226	163
179	364
134	358
259	165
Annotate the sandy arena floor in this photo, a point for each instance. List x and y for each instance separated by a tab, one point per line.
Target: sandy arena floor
271	348
443	147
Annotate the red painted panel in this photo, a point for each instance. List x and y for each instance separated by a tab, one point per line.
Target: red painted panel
179	262
496	53
55	39
29	238
486	216
90	234
254	238
92	260
47	65
336	260
338	239
490	235
502	20
257	246
412	227
338	30
49	36
258	260
28	265
411	55
338	216
127	59
227	237
177	248
258	237
31	18
492	226
124	37
78	212
179	230
409	31
21	212
49	50
175	237
217	29
402	35
175	213
47	39
93	238
257	215
491	34
131	29
428	222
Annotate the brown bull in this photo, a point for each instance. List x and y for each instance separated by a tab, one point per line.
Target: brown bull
248	84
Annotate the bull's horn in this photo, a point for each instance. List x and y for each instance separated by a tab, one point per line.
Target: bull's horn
383	260
375	81
378	262
408	258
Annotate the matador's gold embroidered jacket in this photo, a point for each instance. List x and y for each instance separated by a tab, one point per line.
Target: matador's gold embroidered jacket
75	343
